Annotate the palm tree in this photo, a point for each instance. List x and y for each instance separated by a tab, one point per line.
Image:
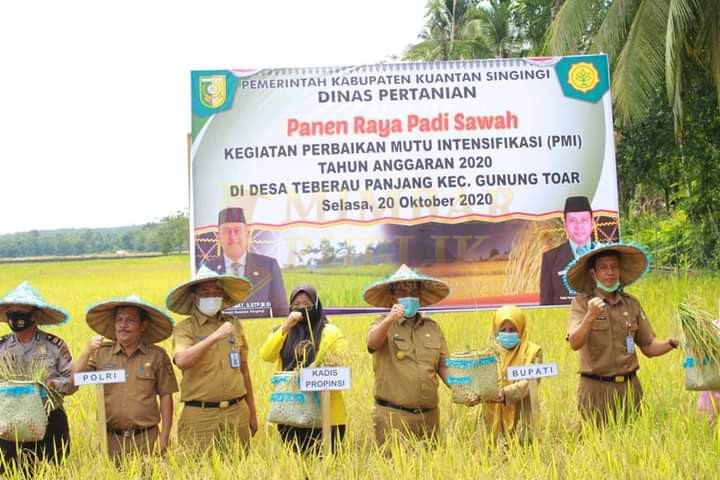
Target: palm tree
650	43
467	29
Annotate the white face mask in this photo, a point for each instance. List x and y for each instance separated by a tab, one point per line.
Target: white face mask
209	305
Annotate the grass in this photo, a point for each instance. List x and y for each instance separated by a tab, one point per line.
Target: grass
669	440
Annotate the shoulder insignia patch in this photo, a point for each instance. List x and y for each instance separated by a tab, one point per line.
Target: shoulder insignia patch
57	341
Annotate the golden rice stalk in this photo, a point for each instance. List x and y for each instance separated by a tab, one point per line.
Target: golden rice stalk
522	271
701	337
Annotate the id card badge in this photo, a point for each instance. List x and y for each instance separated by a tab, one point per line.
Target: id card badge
629	344
234	359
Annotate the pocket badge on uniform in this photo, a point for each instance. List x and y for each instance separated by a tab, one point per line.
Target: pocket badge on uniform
234	359
629	344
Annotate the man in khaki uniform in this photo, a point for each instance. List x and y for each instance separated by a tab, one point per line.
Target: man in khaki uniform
132	407
211	350
409	352
606	325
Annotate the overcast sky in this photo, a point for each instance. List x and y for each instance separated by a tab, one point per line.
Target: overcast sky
95	95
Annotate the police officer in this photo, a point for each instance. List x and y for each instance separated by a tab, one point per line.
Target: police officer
132	407
409	352
606	327
27	346
211	350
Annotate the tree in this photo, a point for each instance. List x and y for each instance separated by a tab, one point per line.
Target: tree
650	45
467	29
172	233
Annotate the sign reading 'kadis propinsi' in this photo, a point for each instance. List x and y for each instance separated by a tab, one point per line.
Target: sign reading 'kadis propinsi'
491	175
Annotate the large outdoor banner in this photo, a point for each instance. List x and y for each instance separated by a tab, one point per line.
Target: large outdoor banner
491	175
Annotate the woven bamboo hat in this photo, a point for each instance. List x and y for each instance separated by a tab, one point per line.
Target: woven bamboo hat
432	290
101	318
24	294
634	262
236	289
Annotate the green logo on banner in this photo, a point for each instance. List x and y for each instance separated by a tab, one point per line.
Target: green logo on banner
584	77
212	91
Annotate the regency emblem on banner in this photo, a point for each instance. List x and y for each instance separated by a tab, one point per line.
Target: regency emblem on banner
213	90
583	76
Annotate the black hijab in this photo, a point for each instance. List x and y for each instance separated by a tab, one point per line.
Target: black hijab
301	335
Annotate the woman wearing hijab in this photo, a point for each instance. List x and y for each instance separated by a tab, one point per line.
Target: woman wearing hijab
510	412
308	339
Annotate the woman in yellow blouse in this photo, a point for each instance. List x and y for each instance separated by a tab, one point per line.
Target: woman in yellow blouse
510	413
306	337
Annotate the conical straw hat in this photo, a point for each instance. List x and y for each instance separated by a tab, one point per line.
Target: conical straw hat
236	288
432	290
101	318
24	294
634	262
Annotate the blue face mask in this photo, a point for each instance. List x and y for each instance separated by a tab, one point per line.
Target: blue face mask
508	340
609	289
411	305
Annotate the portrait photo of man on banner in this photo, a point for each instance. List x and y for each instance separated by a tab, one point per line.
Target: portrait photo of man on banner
232	256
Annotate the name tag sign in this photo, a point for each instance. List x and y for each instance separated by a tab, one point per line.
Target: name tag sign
324	378
102	377
529	372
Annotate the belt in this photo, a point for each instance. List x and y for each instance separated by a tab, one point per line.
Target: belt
612	379
129	432
223	404
384	403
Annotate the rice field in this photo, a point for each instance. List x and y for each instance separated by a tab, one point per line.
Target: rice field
669	439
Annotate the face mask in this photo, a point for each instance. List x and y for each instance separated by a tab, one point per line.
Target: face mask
609	289
508	340
19	321
210	305
411	305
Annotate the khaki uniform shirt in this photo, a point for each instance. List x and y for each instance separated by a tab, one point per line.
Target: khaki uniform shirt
212	379
605	351
407	364
45	349
148	373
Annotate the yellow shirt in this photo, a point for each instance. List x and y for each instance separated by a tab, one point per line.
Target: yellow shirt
332	342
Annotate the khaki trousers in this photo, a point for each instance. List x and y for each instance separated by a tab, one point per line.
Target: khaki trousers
143	442
422	426
598	400
201	426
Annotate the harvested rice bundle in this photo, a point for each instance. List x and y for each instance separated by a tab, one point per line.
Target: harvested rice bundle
701	339
472	375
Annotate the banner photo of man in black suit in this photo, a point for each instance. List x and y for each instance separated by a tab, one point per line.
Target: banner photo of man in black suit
268	297
579	227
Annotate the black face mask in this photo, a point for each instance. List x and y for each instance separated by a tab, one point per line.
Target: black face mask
19	321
